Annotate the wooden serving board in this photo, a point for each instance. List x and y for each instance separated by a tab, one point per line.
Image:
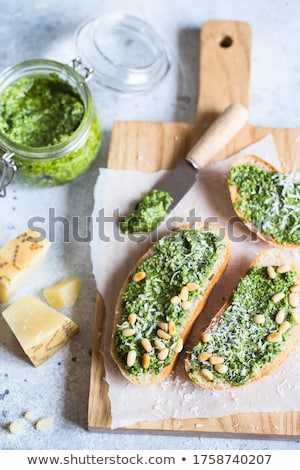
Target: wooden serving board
224	77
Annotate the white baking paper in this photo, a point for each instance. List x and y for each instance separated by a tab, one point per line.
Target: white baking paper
113	255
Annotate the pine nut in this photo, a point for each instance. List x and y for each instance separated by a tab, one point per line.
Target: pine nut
132	317
207	374
159	344
296	316
294	299
172	328
139	276
283	268
205	337
131	357
179	345
146	345
274	337
280	317
128	332
175	300
259	319
221	368
295	288
184	293
163	334
278	297
186	305
163	354
271	272
284	327
216	360
204	355
162	325
146	361
192	286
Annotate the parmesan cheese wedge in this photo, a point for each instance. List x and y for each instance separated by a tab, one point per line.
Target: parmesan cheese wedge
64	293
40	330
19	260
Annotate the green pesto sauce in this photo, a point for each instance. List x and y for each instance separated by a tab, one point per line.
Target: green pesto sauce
177	260
237	338
61	170
40	110
270	201
149	212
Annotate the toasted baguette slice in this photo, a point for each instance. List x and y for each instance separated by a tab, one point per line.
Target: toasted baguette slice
236	198
194	364
166	336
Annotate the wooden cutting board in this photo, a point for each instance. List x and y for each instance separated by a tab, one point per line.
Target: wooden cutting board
224	77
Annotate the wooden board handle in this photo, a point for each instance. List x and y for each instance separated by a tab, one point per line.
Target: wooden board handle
224	72
218	135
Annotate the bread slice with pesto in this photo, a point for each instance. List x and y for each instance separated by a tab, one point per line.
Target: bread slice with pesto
162	297
255	331
266	200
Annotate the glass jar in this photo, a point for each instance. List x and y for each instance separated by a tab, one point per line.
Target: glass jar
64	161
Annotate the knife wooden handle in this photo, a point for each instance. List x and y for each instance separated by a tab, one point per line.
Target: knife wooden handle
218	135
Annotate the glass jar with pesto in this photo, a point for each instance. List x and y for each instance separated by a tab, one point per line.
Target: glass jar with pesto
49	128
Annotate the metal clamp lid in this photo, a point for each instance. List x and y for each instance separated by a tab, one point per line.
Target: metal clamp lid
8	171
88	71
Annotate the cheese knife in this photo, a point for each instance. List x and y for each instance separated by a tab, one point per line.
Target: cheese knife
179	180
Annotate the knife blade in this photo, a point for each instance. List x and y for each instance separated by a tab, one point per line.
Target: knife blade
152	209
179	180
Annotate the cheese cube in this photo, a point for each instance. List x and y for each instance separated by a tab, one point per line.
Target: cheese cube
40	330
19	260
64	293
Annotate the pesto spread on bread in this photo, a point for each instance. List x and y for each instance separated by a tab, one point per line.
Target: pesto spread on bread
269	200
159	297
252	330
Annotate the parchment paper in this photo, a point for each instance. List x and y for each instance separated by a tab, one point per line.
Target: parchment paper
113	255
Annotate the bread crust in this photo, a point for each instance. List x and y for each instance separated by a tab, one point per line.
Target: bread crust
149	377
271	257
235	197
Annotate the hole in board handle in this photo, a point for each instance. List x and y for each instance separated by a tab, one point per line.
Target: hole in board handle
227	41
